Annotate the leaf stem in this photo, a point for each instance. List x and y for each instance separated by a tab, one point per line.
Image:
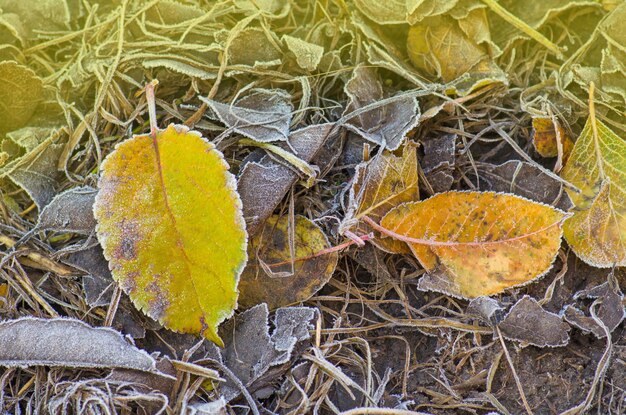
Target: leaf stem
358	240
150	99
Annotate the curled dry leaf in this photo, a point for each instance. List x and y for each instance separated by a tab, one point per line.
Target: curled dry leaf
610	310
261	282
308	55
528	322
32	341
170	224
547	138
597	231
481	243
378	186
264	115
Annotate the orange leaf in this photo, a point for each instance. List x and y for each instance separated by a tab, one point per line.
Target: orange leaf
170	223
482	243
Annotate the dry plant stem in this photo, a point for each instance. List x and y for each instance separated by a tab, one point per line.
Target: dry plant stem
380	411
113	305
517	380
429	242
150	99
39	261
519	24
229	374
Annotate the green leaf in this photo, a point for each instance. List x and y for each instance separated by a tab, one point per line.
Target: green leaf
21	91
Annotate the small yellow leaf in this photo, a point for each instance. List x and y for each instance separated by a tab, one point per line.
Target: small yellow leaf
170	223
264	282
379	186
597	166
545	138
483	243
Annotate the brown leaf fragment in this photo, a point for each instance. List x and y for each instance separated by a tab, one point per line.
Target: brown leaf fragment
30	341
98	283
487	309
547	138
264	115
256	357
527	322
285	284
610	311
526	180
438	162
70	211
162	381
263	181
385	124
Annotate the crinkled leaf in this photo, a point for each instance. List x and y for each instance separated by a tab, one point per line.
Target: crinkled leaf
528	322
597	231
610	310
385	124
170	223
254	355
510	240
308	55
378	186
64	342
21	90
36	16
261	282
264	115
253	47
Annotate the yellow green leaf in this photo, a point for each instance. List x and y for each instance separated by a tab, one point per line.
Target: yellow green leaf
378	186
481	242
597	231
170	223
270	276
21	90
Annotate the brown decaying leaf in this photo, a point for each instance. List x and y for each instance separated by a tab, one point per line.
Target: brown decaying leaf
263	115
63	342
378	186
480	242
278	286
526	180
383	124
264	182
254	355
528	322
70	211
610	310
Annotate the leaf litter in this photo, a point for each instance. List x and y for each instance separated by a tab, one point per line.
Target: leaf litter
303	99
